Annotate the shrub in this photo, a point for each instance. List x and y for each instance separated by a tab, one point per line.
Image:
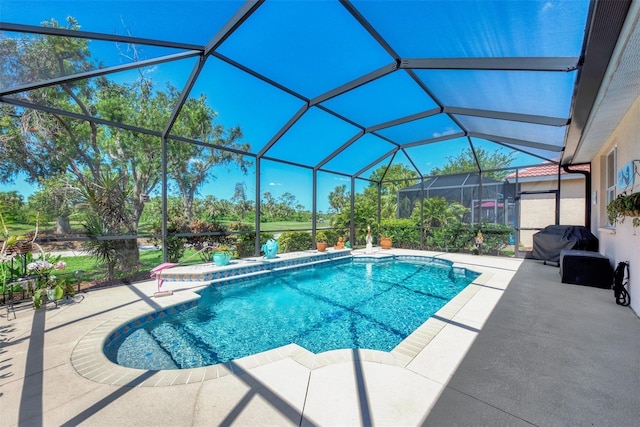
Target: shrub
321	236
403	232
176	224
458	237
495	237
201	243
245	242
329	236
291	241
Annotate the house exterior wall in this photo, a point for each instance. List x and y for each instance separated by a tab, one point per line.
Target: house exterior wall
538	211
622	242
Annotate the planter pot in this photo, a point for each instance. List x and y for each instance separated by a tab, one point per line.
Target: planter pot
385	242
221	258
322	246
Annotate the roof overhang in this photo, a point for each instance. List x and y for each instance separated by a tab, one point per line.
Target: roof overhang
610	68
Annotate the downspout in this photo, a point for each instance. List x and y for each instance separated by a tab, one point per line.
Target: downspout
587	190
558	196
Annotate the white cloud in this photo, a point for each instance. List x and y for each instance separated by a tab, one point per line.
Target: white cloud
548	5
449	131
275	184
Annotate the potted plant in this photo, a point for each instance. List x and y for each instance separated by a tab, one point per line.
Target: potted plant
321	241
222	254
385	242
625	205
386	231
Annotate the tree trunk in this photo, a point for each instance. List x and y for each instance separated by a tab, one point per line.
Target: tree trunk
188	207
129	255
63	227
131	246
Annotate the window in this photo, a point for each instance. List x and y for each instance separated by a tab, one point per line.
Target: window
610	181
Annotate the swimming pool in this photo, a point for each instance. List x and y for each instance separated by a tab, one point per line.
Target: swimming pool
345	304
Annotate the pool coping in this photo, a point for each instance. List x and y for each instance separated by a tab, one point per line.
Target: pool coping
89	360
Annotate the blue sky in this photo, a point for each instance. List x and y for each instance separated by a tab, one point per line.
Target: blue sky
314	46
229	102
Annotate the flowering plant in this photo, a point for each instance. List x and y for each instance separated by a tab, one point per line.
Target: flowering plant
47	284
221	247
42	267
5	269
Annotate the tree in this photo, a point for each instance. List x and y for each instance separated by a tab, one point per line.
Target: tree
12	206
46	144
393	179
365	214
338	198
465	162
189	164
109	216
217	209
27	136
286	205
438	212
268	205
242	203
55	201
51	145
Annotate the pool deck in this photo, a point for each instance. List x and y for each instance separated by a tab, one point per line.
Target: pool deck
516	347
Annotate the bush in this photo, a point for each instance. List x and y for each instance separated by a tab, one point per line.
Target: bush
329	236
403	232
201	243
459	237
176	224
245	242
292	241
495	237
321	236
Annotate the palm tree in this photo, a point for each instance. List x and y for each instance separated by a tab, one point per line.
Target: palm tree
338	198
242	204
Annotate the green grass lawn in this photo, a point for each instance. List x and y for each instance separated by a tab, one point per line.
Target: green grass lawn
291	225
285	225
19	229
92	271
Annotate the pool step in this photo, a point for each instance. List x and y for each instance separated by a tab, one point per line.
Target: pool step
179	346
140	350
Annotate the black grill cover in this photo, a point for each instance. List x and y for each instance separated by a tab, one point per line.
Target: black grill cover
548	243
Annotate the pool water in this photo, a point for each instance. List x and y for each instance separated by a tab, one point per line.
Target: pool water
355	304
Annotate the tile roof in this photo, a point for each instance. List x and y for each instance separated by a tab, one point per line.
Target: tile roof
548	169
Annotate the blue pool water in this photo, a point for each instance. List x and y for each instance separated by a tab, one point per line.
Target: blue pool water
355	304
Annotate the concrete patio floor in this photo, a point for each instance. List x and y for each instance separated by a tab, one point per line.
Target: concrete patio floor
549	354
